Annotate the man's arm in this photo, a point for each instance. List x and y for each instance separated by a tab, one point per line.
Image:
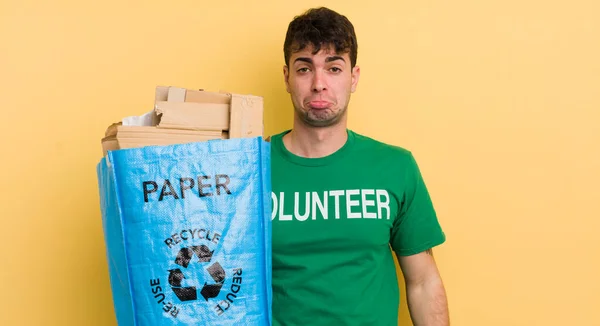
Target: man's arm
426	295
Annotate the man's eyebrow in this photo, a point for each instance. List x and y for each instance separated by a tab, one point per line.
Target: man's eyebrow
307	60
333	58
328	59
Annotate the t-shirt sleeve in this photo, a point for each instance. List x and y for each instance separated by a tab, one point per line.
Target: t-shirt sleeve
416	228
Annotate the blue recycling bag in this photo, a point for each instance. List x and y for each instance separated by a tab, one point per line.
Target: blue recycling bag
187	232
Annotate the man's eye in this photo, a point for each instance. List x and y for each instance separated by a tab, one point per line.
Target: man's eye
302	70
335	69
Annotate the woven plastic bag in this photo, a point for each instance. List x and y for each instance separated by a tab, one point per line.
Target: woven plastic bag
187	232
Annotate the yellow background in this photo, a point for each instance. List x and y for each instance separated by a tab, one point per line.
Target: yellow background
499	101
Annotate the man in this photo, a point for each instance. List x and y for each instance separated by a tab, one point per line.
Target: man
341	200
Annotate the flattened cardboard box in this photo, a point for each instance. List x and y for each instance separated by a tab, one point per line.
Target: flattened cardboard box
183	115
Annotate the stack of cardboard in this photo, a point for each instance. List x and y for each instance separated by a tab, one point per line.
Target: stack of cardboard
183	115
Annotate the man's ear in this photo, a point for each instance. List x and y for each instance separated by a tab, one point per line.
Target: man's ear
355	77
286	76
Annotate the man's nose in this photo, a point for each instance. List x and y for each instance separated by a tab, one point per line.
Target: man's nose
318	84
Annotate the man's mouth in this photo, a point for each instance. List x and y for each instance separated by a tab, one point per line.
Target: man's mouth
319	104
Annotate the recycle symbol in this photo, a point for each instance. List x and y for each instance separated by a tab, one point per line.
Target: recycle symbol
184	257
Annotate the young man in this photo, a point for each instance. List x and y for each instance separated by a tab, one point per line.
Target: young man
342	200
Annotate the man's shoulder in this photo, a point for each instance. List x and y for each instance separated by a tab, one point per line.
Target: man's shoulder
271	137
381	147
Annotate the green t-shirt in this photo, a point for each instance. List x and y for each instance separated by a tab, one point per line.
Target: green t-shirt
334	220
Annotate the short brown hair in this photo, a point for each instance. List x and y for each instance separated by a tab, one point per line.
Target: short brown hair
321	27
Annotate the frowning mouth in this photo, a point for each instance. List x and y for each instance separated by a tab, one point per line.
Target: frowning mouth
319	105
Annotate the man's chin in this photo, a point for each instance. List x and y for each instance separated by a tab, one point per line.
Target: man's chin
320	119
321	122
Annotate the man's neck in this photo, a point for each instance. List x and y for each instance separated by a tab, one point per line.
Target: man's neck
311	142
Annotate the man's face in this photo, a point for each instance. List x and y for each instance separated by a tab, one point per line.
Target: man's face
320	85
